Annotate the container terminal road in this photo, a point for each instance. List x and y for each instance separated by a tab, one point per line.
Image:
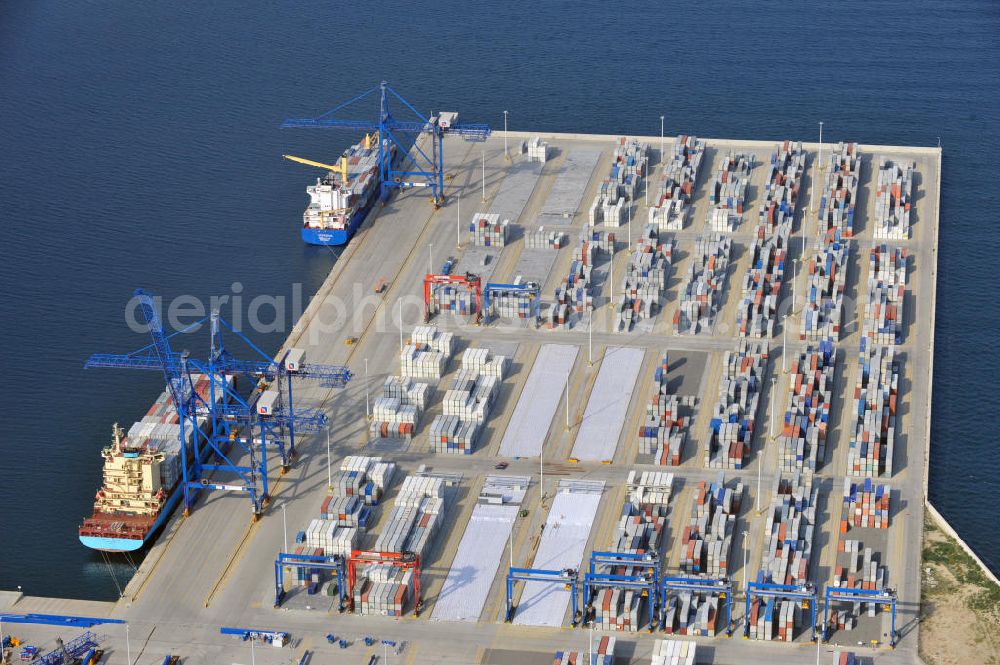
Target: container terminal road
578	386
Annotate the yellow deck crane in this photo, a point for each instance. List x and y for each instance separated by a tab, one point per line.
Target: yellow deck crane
341	167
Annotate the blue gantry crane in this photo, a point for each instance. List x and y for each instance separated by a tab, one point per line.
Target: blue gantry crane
224	417
401	134
884	597
805	594
567	578
709	586
494	289
335	564
628	570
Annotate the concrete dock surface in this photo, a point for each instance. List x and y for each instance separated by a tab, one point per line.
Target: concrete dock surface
215	567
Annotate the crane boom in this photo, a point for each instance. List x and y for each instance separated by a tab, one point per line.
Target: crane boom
341	169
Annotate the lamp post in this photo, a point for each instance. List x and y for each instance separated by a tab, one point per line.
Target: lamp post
430	258
458	223
821	167
128	647
284	525
367	390
399	310
661	139
505	153
746	552
329	473
484	175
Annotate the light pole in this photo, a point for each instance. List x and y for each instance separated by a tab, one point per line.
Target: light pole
284	525
567	401
661	139
629	224
458	223
399	310
784	343
541	474
367	390
821	167
329	473
505	153
590	336
430	258
611	278
253	658
484	175
795	265
746	552
128	647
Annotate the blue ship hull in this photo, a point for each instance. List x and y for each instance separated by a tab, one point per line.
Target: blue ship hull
132	544
336	237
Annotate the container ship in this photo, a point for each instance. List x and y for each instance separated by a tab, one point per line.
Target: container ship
141	477
339	202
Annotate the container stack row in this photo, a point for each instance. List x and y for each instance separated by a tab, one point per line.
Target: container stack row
453	298
731	428
671	205
614	196
512	303
860	569
536	149
487	230
603	654
688	613
707	540
467	404
573	295
639	531
308	577
415	517
802	444
866	505
822	312
843	173
674	652
699	297
396	412
874	408
729	192
331	538
383	590
788	530
664	430
775	619
756	313
542	239
781	191
645	278
883	323
367	477
427	353
892	199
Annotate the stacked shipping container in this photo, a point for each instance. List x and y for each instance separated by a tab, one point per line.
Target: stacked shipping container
802	444
707	540
675	188
486	230
823	309
467	404
616	193
892	199
729	192
603	654
866	505
883	322
755	315
639	531
663	432
645	278
731	428
703	285
781	191
674	652
874	408
573	295
860	570
836	206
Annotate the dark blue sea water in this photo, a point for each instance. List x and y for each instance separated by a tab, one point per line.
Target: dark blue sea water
139	147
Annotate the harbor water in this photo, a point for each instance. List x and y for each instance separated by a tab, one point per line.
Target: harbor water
140	147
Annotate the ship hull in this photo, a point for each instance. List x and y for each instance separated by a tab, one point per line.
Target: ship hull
337	237
108	544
